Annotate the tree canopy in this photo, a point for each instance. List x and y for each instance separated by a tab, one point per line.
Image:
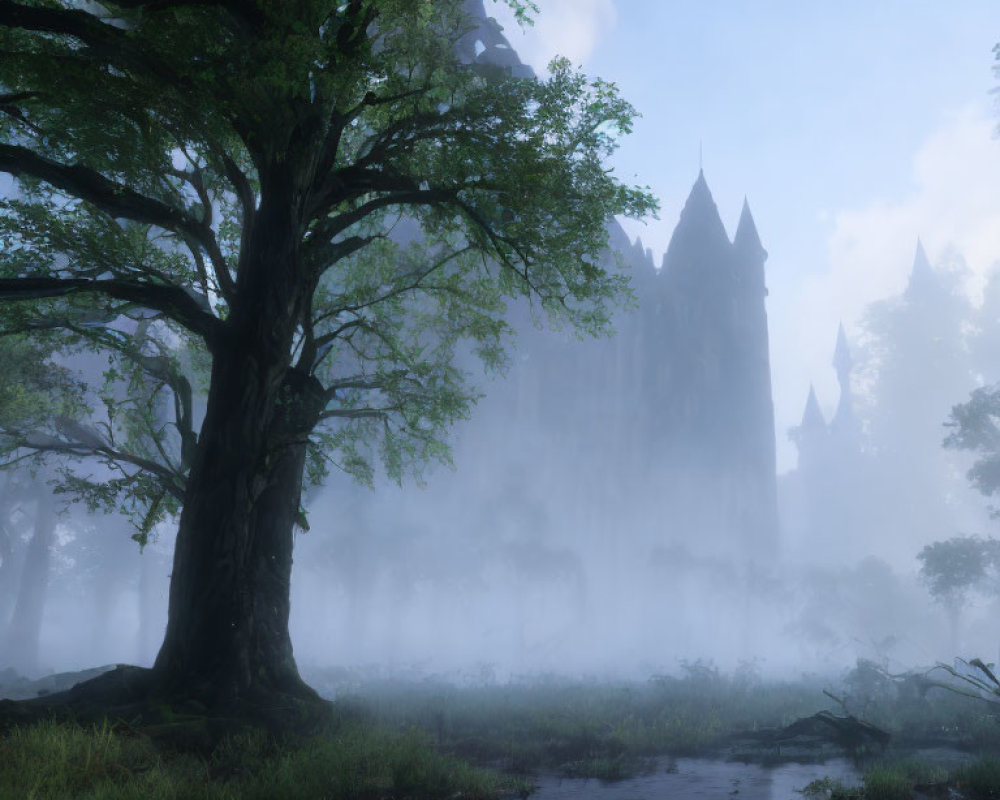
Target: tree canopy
139	133
304	210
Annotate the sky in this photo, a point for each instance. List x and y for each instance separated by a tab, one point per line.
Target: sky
852	128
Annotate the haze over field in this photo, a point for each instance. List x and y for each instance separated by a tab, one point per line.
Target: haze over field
677	493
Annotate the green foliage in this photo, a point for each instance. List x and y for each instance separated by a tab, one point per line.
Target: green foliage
420	196
33	389
953	567
975	428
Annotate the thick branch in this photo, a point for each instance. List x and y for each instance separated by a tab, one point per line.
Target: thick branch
70	22
172	301
111	197
405	195
111	43
323	253
42	443
358	413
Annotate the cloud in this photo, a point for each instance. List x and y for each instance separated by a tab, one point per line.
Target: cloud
570	28
954	205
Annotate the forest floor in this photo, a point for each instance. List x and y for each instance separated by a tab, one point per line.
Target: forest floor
429	737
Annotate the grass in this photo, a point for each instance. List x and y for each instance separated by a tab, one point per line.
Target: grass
596	728
563	725
416	739
901	779
57	760
979	780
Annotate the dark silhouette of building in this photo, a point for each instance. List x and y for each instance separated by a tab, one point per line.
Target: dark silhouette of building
707	376
827	507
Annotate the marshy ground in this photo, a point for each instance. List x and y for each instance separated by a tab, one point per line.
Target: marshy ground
700	733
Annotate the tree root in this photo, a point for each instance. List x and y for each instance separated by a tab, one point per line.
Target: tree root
133	700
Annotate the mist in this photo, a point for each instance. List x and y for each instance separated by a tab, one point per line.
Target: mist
617	507
613	510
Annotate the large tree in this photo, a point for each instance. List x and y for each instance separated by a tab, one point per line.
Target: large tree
312	205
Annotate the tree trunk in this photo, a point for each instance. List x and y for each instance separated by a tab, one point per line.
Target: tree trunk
227	635
24	631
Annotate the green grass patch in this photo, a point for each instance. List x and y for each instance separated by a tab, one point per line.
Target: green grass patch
979	780
58	760
607	729
584	729
888	782
831	789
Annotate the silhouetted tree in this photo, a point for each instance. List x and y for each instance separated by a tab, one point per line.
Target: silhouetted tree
236	176
918	366
952	569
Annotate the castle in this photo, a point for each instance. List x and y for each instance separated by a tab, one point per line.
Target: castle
660	436
707	379
667	429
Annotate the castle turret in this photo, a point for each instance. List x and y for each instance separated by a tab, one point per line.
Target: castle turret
712	376
812	417
811	438
844	422
923	281
697	257
750	251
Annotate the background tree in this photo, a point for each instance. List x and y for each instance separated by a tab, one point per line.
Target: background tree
908	339
322	201
954	568
975	427
32	389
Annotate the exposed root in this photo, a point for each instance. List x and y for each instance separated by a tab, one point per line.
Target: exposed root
133	699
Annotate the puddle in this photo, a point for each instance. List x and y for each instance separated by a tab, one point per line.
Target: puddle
702	779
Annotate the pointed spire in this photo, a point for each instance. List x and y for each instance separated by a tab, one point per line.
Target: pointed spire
699	244
750	253
812	417
920	262
842	355
746	238
844	423
922	275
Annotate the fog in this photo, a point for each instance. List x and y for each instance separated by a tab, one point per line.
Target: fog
620	507
609	509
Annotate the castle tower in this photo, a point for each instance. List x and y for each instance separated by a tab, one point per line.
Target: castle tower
752	370
811	438
829	491
844	423
923	280
711	380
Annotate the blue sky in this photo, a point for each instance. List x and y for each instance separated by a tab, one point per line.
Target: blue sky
852	128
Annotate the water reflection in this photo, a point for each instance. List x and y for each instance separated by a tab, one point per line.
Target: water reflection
703	779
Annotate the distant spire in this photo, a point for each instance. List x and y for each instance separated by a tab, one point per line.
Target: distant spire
747	239
750	253
920	261
699	244
812	417
843	419
842	355
922	275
